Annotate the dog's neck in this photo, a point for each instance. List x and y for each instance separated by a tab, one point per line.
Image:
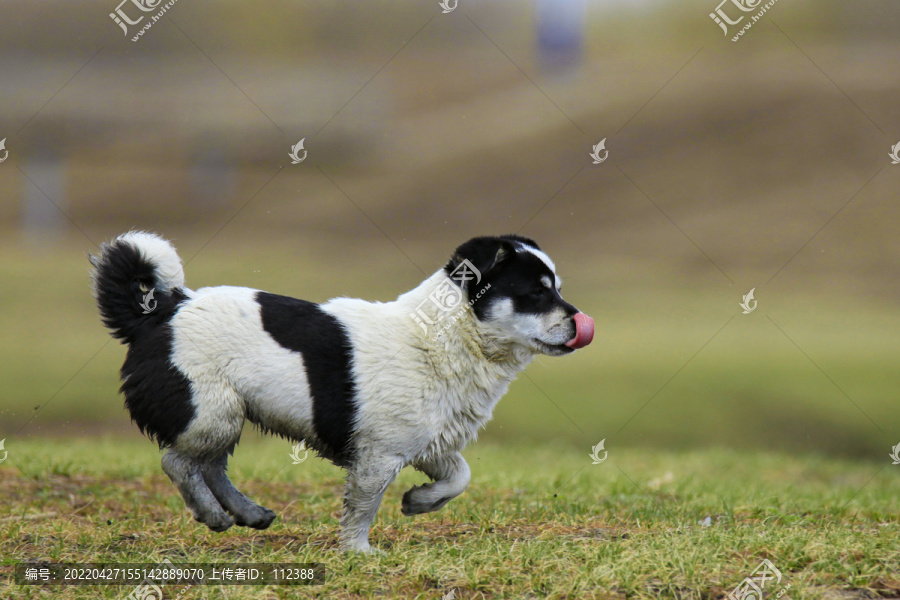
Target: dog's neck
441	314
472	368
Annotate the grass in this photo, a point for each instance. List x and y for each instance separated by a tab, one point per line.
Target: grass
538	521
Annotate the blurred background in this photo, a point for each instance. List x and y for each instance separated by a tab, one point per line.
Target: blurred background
758	164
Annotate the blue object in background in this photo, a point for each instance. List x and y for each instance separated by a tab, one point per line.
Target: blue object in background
560	31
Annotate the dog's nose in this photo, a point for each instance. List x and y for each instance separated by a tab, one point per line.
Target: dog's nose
584	331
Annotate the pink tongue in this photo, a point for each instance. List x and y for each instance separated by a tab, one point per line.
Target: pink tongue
584	331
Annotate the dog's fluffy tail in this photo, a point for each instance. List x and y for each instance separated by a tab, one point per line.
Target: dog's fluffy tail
138	283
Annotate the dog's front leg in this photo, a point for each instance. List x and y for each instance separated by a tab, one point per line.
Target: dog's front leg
451	475
366	484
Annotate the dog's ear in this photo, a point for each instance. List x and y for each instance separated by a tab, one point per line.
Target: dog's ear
477	258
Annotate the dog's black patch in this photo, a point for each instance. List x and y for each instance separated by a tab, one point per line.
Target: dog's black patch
157	394
323	342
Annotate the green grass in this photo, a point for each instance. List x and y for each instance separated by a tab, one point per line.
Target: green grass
538	521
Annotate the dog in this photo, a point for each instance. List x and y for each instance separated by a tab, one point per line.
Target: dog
371	386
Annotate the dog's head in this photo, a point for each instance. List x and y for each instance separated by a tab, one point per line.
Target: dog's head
513	290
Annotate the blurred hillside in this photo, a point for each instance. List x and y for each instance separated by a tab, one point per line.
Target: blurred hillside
758	164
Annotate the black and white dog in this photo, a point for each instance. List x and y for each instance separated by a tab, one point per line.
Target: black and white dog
371	386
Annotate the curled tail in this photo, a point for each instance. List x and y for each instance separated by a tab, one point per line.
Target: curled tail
138	283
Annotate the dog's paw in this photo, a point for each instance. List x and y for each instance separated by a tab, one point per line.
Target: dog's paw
217	523
260	519
417	501
409	506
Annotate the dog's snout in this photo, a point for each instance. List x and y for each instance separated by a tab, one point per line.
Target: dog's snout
570	310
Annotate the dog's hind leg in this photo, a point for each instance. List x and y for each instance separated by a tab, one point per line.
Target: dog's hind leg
366	484
246	512
450	473
187	475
